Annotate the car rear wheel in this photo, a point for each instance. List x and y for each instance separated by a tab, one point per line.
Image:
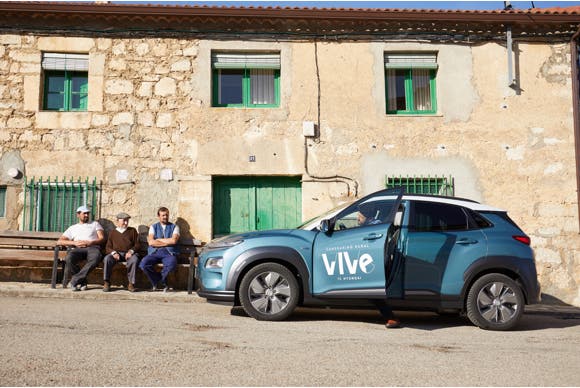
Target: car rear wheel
495	302
269	292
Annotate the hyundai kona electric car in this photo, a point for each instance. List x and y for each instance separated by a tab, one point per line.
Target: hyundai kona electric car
417	252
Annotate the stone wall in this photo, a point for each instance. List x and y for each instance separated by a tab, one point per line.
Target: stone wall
151	136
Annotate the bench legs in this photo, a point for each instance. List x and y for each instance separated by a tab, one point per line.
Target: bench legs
190	275
55	267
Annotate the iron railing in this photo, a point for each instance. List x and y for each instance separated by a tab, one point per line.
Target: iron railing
435	185
50	205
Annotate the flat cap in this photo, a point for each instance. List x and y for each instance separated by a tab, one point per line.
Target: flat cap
123	216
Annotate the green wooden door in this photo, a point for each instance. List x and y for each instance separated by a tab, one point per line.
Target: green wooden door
242	204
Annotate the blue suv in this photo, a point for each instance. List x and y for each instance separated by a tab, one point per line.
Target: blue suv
418	252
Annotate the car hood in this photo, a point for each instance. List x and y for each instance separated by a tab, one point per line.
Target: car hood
277	234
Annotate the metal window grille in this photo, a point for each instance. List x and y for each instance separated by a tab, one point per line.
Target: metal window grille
50	205
423	185
2	201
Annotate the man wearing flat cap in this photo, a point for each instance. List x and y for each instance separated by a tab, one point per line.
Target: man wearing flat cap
84	239
122	246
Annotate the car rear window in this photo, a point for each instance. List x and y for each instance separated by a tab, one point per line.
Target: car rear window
433	216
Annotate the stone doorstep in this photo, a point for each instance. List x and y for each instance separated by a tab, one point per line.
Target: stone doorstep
177	280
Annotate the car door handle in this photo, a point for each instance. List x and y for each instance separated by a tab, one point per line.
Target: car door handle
373	236
466	241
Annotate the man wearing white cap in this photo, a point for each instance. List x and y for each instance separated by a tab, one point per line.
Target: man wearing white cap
84	239
122	246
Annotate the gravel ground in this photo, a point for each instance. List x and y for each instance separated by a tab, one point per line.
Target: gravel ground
182	341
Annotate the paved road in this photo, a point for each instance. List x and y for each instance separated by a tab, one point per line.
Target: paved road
184	341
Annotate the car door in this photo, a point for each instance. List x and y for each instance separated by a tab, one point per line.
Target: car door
437	242
349	259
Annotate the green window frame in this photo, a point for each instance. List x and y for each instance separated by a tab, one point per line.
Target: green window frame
66	81
410	83
251	79
436	185
2	201
65	90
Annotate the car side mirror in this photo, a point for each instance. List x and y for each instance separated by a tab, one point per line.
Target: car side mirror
324	226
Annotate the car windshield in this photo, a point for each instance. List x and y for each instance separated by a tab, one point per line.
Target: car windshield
314	222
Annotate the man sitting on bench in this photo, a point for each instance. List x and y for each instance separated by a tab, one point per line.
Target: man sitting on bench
85	239
122	246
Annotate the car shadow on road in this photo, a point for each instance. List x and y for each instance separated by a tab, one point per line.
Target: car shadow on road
430	321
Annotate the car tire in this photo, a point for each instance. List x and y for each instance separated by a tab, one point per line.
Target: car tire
495	302
269	292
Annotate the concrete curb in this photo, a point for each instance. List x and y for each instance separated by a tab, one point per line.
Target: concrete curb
94	292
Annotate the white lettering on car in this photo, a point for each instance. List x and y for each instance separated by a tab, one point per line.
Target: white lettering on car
364	263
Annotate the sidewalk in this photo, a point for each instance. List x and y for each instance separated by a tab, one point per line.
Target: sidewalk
94	292
42	290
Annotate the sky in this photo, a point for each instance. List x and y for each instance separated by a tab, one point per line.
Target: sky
451	5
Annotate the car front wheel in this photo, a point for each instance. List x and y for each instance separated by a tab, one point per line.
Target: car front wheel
495	302
269	292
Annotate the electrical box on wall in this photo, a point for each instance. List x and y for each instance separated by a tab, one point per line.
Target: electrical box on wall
308	129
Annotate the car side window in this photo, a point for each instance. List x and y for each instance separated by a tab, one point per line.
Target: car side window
374	212
436	217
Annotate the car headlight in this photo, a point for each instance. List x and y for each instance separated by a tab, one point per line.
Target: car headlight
224	243
214	262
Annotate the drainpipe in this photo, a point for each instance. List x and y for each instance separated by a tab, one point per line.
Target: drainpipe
511	80
576	107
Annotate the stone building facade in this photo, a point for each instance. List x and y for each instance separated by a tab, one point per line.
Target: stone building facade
151	134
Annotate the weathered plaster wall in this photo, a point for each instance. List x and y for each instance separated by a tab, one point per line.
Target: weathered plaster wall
150	111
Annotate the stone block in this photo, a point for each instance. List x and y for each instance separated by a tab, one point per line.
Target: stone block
76	140
545	255
145	119
123	148
182	65
100	120
19	122
164	120
190	51
142	49
10	39
119	49
118	64
145	89
98	140
21	56
118	86
65	44
123	118
165	87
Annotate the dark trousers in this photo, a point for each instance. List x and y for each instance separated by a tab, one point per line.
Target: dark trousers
385	310
109	263
79	275
148	263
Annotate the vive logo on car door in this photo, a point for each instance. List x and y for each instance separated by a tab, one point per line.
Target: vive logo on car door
364	263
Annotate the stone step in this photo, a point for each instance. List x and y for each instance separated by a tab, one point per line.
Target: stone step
17	265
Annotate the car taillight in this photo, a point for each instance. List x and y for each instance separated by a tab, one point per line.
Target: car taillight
523	239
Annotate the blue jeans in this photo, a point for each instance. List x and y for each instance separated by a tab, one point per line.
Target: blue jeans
148	263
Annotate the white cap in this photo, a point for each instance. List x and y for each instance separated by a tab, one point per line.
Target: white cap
83	209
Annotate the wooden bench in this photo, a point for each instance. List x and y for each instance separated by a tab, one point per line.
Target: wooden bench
13	239
47	241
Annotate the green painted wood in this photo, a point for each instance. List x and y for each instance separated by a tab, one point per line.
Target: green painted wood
244	204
